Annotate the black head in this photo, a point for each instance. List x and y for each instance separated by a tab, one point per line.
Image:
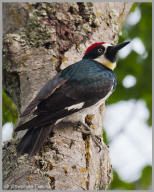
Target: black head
94	51
104	53
111	51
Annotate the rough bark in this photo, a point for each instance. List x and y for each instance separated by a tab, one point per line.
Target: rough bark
39	39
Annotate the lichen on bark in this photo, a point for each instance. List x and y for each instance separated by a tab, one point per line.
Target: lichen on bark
51	37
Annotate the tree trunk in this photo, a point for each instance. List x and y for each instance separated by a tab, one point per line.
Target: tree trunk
39	39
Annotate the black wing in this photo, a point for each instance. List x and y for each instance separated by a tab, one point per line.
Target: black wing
82	83
44	93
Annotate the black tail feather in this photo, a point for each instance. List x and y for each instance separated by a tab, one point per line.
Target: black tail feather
30	107
44	120
37	121
30	124
33	140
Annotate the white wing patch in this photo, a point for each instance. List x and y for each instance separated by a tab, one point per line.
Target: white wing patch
76	106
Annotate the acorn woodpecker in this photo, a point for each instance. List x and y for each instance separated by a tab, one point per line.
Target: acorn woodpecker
81	85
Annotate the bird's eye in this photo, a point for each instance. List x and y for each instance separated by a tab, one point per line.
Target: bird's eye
100	50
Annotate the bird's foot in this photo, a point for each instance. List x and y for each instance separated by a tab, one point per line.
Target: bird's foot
86	130
98	141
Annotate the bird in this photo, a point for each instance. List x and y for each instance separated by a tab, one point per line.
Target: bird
80	86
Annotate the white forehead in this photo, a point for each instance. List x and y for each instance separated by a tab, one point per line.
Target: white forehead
107	44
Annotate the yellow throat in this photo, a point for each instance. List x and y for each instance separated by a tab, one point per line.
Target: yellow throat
106	62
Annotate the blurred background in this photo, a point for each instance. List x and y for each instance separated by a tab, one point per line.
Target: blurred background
128	117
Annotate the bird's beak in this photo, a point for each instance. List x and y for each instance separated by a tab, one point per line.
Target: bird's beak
120	46
112	51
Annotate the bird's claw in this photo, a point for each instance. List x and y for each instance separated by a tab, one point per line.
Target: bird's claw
86	130
98	141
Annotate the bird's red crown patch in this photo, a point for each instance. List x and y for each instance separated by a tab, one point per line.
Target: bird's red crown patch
93	45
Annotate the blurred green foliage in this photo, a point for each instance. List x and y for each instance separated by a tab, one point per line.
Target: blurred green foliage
135	65
9	110
143	183
117	183
141	68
